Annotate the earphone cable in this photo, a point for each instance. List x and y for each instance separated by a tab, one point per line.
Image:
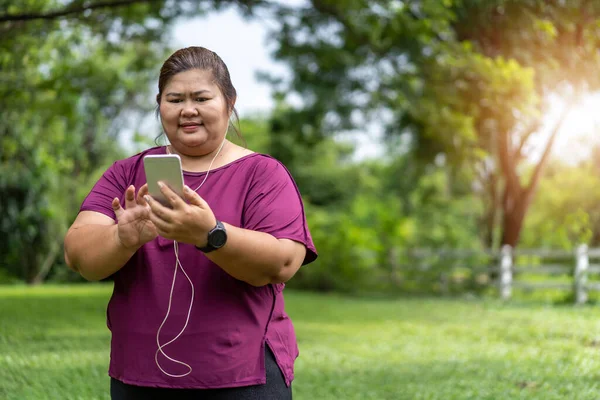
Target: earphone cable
179	265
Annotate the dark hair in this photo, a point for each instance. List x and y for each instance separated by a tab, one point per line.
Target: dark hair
206	60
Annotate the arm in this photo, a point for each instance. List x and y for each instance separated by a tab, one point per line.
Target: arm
266	259
96	247
254	257
93	248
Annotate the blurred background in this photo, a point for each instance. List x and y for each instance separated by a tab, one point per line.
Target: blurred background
447	151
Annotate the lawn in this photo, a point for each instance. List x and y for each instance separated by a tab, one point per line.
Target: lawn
54	345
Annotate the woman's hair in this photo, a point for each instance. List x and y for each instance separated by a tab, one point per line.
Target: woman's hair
203	59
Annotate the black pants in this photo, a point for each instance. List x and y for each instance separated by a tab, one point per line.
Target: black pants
274	389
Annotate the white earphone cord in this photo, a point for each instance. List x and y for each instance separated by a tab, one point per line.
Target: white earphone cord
178	265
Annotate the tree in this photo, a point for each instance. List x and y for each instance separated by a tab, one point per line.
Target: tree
467	80
559	42
73	74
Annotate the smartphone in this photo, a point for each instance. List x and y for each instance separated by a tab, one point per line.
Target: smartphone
167	169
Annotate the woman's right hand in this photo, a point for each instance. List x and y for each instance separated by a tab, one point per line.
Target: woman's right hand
134	225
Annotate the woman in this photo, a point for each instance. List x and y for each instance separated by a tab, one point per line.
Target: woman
237	235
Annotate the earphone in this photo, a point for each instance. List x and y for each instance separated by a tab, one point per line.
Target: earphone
179	265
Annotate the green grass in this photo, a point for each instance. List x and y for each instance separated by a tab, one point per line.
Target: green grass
54	345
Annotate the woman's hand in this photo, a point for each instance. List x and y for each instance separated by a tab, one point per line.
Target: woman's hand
134	225
185	222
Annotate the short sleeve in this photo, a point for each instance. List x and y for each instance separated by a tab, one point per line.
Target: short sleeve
113	183
273	205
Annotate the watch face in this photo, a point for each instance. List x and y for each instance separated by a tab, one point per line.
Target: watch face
218	238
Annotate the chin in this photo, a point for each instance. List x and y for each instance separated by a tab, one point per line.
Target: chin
192	139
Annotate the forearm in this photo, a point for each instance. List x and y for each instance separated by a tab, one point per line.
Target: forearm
254	257
95	251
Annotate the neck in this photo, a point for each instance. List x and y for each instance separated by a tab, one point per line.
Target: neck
203	162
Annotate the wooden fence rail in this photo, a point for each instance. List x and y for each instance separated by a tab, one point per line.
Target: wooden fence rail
510	265
580	273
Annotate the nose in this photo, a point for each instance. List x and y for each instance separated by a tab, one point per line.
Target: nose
189	109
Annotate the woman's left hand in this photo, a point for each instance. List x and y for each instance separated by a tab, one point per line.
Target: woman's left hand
185	222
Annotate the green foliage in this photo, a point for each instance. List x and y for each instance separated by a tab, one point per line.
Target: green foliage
73	76
465	79
457	85
354	244
565	213
54	344
320	165
362	239
558	39
445	220
254	133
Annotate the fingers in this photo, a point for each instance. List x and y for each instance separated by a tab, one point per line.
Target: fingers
140	196
160	216
194	198
130	197
158	210
162	226
172	197
116	205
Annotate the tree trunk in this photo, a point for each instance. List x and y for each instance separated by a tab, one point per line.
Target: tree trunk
393	256
517	198
513	222
47	264
491	213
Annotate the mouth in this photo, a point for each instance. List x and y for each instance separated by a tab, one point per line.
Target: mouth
190	127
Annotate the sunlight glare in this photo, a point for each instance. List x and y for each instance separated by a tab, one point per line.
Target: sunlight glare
580	131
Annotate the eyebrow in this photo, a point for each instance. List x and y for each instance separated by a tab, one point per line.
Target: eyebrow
181	94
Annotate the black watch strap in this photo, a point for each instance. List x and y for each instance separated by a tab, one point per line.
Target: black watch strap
217	237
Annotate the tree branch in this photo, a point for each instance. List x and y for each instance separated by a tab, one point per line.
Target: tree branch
580	27
507	164
71	9
541	166
518	153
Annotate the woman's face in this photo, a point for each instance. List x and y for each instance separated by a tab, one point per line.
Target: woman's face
194	113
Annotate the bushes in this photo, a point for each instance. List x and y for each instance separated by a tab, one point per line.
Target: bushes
364	242
364	246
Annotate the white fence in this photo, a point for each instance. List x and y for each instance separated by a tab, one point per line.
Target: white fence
508	265
580	285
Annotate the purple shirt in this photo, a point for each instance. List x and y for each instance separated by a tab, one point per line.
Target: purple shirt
230	320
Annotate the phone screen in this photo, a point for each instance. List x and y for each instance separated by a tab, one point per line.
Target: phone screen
165	168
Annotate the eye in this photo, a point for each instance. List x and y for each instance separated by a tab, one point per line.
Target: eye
175	101
201	99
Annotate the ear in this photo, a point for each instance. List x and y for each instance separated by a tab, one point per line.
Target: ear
158	99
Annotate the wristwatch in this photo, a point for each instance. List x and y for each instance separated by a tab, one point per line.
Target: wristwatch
217	237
